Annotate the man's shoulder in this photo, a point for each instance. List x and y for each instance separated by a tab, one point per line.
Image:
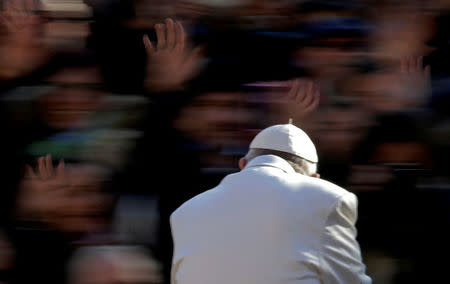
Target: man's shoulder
207	195
322	188
194	204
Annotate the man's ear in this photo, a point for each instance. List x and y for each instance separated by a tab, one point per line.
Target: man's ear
316	175
242	163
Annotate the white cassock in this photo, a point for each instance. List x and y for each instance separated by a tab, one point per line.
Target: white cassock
268	224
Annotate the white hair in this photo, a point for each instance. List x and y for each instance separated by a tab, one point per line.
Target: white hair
299	164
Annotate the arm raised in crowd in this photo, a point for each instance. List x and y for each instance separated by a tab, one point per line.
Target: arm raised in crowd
414	80
67	200
304	96
20	48
297	99
170	62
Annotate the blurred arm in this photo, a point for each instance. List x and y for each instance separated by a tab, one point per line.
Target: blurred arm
170	65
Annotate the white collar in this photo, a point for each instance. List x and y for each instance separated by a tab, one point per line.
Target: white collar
271	161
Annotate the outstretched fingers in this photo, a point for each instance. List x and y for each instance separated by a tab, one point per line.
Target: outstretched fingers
419	64
49	165
180	38
301	93
294	89
161	36
404	65
29	172
60	169
41	170
305	94
309	94
170	28
315	99
45	167
148	45
412	64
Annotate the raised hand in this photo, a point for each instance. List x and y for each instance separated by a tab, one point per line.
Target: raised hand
34	202
294	99
20	48
65	200
414	80
19	21
169	65
304	97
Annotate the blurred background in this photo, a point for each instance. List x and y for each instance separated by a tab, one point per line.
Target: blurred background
104	132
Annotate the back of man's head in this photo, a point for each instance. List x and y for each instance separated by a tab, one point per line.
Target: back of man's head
288	142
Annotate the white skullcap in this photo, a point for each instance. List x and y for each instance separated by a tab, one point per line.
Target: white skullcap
286	138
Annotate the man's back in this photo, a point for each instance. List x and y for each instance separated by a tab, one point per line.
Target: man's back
265	224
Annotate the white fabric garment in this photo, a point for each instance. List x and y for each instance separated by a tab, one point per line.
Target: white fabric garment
268	224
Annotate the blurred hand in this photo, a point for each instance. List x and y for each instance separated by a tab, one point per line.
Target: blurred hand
37	187
20	49
304	96
61	199
295	99
169	64
415	80
298	100
20	22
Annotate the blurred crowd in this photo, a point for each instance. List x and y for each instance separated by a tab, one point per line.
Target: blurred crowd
115	112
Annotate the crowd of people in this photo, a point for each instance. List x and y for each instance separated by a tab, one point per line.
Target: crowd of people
115	112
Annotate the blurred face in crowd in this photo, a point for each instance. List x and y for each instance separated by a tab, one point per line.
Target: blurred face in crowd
381	92
63	108
329	57
391	162
402	30
401	152
338	129
215	118
73	99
